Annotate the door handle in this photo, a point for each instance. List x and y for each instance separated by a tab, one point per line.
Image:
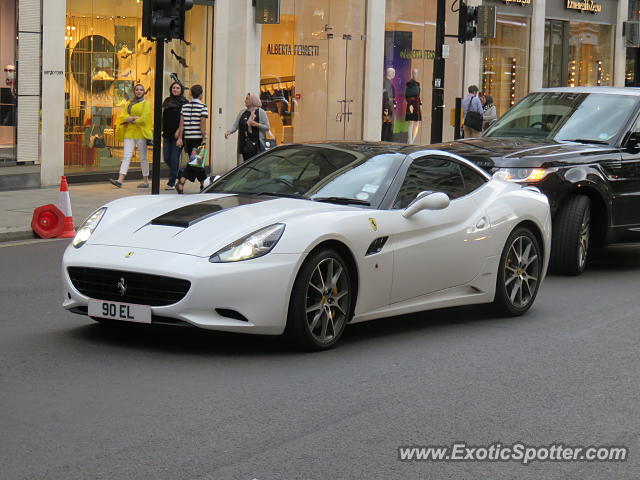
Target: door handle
482	223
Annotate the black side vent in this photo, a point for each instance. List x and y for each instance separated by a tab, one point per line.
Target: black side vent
226	312
376	246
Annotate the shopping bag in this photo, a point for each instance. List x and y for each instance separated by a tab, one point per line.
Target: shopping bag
198	157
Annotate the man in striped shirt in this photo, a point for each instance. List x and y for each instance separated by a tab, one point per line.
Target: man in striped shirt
192	133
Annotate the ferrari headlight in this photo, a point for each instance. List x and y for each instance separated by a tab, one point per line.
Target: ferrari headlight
87	228
254	245
524	175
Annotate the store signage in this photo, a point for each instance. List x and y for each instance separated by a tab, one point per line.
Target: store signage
418	54
267	11
286	49
519	2
584	6
486	24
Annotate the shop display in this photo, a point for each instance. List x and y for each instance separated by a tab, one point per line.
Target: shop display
388	105
414	106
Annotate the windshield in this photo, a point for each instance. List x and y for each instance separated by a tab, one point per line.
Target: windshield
314	172
589	118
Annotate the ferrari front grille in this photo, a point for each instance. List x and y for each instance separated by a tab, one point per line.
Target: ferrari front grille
128	287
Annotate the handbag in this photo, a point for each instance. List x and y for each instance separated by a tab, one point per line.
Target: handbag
269	143
473	120
250	146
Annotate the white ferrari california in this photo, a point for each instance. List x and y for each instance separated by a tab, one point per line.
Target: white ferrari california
307	238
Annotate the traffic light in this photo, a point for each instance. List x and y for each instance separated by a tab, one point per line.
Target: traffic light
467	19
164	18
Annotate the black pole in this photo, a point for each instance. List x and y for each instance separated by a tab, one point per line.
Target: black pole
437	102
458	119
157	116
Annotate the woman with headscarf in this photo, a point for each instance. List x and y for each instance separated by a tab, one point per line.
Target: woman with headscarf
171	108
252	125
134	128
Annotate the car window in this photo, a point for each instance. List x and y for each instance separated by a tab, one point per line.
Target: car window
314	172
472	179
566	116
434	174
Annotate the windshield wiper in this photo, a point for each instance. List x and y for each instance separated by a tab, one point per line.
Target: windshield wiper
586	140
342	201
274	194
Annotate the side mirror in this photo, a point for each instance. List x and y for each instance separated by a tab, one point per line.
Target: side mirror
427	201
633	141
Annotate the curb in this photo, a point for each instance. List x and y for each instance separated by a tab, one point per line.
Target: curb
11	235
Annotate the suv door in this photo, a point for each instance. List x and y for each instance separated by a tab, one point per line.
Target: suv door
435	250
625	184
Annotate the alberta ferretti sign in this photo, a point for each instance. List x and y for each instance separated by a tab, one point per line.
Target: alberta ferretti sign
288	49
584	6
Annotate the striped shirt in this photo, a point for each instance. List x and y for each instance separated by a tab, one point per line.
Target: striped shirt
192	112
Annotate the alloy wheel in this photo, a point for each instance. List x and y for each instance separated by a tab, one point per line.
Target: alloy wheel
583	239
521	271
327	302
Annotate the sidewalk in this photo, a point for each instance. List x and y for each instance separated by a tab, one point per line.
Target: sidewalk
16	206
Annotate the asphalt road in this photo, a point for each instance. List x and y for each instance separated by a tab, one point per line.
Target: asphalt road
79	400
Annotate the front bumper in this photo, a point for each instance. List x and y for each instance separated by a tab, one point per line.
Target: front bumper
258	289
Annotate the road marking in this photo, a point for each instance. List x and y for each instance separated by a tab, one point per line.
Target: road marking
29	242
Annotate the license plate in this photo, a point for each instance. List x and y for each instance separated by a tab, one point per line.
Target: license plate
127	312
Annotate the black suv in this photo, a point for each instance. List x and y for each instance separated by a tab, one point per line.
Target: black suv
581	147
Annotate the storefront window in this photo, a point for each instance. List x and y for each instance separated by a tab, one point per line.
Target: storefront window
578	53
8	82
106	56
312	70
408	70
505	62
632	72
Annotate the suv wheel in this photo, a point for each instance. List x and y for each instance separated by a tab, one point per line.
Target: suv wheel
571	234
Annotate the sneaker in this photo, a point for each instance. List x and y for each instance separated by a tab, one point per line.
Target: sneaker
169	187
115	183
143	185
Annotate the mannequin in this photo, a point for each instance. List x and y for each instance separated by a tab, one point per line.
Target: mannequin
414	106
8	97
388	105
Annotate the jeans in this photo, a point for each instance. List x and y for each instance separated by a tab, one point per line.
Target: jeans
171	156
129	145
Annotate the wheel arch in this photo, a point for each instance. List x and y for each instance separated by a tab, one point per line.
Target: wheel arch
536	230
348	256
600	210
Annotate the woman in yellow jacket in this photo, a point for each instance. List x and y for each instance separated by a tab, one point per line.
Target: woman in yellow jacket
134	127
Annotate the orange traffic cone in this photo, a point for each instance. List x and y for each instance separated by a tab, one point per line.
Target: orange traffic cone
65	205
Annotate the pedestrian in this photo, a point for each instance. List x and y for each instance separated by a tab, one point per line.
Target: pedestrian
490	113
171	110
252	126
192	133
472	107
134	128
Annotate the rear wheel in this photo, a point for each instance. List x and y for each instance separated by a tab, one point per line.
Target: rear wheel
518	273
320	305
571	236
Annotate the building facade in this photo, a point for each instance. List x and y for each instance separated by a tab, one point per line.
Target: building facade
329	70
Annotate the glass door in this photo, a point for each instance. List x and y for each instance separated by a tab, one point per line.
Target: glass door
346	70
312	66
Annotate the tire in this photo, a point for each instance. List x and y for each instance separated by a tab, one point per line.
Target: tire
571	235
320	310
518	274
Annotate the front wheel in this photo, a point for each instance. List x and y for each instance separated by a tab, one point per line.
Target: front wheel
321	302
519	273
571	235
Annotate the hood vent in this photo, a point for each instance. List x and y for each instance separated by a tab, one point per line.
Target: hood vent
189	215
